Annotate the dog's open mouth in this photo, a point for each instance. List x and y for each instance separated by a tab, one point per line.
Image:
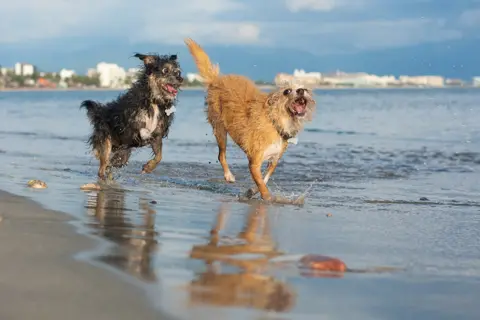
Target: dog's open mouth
299	107
170	89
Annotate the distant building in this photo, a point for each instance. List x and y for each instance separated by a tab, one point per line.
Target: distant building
111	75
24	69
455	82
283	78
307	77
476	81
133	71
44	83
192	77
92	72
4	71
29	82
360	79
66	74
427	81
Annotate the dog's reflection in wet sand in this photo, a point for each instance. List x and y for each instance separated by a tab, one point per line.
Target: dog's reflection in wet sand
249	287
135	243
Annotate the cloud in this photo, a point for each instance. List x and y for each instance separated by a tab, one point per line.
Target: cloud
202	20
470	18
342	37
26	20
344	25
321	5
203	32
317	5
152	20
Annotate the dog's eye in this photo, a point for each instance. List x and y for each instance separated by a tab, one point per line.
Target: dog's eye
176	73
164	70
287	92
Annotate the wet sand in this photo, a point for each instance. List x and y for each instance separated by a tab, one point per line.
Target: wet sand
40	279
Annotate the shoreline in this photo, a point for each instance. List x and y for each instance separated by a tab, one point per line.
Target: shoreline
262	87
40	250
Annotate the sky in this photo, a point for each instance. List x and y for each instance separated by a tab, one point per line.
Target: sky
47	31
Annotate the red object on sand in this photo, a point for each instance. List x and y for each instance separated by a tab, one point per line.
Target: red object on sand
323	263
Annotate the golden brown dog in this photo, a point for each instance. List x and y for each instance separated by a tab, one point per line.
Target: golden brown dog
259	123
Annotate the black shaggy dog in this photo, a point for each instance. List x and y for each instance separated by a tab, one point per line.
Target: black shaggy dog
139	117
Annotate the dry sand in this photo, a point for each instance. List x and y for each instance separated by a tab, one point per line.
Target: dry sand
40	279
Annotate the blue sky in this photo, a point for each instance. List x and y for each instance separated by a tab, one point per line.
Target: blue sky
318	27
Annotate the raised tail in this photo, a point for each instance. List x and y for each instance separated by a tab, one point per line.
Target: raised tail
96	115
206	69
94	111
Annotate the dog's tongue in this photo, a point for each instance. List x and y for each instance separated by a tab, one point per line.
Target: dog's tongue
171	89
299	108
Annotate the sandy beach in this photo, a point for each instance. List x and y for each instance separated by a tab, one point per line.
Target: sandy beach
40	279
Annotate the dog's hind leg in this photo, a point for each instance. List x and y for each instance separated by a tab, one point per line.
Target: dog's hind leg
120	158
104	151
157	150
221	134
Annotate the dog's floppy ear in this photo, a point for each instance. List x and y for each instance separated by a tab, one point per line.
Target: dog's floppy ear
173	57
147	59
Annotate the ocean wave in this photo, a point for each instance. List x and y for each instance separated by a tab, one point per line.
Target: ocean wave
339	132
43	136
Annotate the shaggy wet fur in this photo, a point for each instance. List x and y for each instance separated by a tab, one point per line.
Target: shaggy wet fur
259	123
138	117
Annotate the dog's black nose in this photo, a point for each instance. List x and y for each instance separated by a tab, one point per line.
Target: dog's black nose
300	92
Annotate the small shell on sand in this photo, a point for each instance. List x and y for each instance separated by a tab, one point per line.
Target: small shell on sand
37	184
90	186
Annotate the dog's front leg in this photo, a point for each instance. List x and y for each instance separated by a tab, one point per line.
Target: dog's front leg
268	173
256	172
104	152
272	165
157	150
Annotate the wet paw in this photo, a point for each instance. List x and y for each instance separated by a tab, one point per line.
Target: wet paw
268	199
147	168
250	193
229	177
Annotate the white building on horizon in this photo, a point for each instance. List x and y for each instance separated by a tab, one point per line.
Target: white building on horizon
306	77
111	75
132	73
428	81
66	74
92	72
24	69
191	77
4	71
476	81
